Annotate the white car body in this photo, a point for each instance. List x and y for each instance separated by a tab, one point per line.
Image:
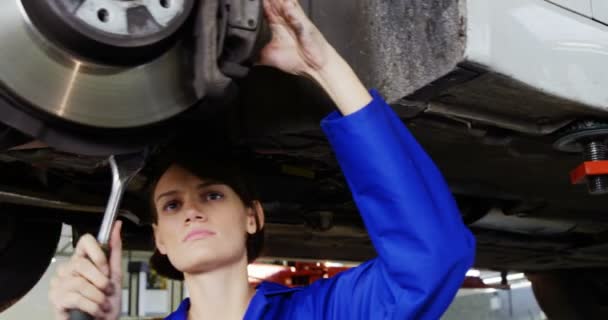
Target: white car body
559	47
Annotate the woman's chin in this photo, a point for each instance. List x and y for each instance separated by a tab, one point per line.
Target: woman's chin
206	261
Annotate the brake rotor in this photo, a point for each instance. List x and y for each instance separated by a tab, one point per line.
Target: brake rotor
78	81
122	32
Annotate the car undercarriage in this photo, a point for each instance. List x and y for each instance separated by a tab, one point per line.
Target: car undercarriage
505	140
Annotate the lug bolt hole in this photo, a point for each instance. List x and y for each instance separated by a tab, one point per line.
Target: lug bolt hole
103	15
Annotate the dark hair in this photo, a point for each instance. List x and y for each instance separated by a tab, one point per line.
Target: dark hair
206	163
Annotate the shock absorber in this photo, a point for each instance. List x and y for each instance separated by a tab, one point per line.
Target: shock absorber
589	138
595	151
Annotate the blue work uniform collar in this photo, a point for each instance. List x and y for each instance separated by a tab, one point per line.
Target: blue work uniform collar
258	305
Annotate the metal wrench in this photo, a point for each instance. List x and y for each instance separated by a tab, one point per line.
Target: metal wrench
124	168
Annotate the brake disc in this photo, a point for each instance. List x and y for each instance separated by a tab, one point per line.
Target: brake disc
98	63
100	77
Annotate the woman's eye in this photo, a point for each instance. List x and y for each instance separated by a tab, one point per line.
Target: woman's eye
171	206
213	196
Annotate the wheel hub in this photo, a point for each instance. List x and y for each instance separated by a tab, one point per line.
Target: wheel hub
41	73
117	32
76	74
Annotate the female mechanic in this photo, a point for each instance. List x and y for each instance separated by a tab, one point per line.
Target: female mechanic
203	225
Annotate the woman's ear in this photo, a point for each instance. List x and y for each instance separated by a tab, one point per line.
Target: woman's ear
158	241
255	217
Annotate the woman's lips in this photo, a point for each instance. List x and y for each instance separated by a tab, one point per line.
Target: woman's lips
198	234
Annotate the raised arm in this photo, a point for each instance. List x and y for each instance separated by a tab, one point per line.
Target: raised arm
424	250
297	47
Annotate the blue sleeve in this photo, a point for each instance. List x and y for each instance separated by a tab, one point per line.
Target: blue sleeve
424	249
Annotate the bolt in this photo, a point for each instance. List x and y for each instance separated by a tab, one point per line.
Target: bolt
596	151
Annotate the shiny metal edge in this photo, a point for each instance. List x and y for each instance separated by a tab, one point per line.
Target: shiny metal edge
43	202
36	201
60	84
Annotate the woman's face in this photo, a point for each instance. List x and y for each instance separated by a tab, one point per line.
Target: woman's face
202	224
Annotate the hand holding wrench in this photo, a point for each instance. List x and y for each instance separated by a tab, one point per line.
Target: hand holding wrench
124	168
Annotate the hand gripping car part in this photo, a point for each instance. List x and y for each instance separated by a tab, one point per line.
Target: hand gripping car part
124	168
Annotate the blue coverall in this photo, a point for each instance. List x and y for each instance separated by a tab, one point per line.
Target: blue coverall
424	249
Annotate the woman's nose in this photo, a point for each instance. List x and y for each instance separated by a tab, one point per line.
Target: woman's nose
194	213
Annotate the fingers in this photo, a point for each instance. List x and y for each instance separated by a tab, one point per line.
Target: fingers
86	270
116	251
72	292
288	13
294	15
85	289
88	247
75	301
270	12
278	11
84	283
